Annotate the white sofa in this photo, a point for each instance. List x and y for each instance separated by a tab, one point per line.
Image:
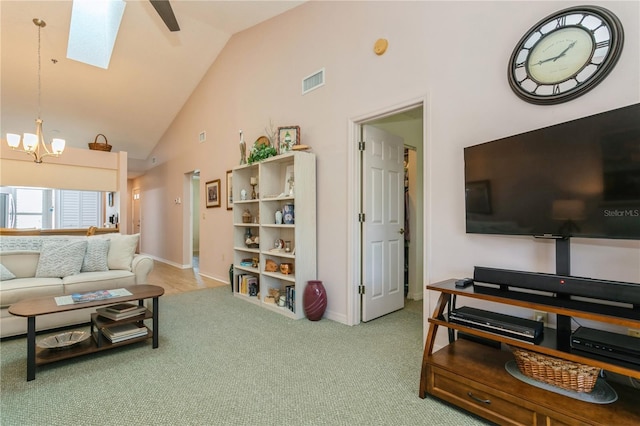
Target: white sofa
35	266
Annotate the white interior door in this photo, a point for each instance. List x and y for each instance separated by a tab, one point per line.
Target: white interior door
382	233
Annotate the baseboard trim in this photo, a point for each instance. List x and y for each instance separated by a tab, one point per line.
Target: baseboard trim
168	262
223	281
415	296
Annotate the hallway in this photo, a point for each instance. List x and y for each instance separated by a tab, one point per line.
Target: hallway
175	280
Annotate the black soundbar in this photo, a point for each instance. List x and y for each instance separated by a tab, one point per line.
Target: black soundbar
615	291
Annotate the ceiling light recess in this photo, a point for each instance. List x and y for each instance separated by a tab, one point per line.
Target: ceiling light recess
93	31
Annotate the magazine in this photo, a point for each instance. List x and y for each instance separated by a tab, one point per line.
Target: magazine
99	295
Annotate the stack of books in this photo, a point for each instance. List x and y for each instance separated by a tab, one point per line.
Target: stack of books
247	284
120	333
121	311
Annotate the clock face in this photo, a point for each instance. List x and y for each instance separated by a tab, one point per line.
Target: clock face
565	55
560	55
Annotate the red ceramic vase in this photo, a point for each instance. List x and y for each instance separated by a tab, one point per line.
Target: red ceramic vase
314	300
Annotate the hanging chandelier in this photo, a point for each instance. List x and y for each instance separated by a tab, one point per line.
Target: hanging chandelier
33	144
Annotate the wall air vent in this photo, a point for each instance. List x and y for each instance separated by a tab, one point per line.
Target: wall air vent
313	81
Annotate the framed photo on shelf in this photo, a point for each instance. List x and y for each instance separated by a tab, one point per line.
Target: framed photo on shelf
229	190
288	181
212	191
287	138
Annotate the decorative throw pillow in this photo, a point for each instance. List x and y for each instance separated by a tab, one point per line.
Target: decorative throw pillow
95	259
5	274
121	250
21	243
59	259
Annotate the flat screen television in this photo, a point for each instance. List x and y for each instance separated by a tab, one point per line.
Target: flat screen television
575	179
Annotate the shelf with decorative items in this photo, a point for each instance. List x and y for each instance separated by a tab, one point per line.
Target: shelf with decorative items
283	219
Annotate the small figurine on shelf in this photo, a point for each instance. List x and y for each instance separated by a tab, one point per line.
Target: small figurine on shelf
243	150
288	215
246	216
254	182
251	241
270	266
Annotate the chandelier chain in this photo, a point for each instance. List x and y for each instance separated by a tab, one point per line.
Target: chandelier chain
39	72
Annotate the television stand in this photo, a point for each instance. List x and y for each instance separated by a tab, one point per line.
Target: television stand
472	376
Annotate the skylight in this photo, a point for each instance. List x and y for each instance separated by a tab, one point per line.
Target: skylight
93	31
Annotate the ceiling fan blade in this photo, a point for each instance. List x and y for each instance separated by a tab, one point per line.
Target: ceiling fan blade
163	7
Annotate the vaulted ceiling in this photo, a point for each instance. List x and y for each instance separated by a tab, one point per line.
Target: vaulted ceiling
151	74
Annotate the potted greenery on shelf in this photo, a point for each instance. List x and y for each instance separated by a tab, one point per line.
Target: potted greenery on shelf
261	151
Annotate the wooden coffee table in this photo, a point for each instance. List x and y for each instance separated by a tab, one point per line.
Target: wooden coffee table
32	308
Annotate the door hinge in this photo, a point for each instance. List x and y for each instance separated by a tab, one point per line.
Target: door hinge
361	145
361	289
361	217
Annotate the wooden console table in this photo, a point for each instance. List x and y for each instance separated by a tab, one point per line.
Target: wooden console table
32	308
14	232
473	376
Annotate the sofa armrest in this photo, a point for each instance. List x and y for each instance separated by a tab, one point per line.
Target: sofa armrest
141	266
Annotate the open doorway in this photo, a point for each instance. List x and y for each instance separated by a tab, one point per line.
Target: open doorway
407	123
195	221
136	216
191	224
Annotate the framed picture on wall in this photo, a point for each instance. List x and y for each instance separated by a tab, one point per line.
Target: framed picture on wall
287	138
229	190
212	193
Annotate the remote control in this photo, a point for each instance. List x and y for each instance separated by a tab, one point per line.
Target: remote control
465	282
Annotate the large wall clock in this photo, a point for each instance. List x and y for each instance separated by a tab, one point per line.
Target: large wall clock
565	55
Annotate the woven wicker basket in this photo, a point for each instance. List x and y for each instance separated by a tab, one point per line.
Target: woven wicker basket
100	146
557	372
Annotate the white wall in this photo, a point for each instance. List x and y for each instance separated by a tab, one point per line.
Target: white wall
455	53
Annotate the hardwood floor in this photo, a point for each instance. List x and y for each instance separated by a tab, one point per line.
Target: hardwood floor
175	280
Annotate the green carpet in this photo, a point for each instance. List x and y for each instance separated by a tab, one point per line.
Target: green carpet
223	361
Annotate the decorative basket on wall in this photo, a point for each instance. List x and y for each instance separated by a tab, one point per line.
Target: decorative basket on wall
97	146
557	372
